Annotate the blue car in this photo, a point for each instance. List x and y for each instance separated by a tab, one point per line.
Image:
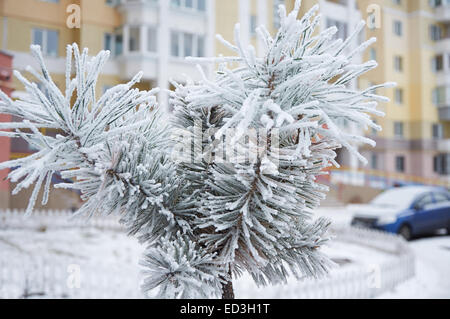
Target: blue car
409	211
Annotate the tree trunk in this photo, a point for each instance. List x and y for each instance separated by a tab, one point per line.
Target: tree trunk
227	288
227	291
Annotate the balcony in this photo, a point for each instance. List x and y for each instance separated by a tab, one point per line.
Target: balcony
132	63
178	67
443	78
443	145
443	45
441	62
442	12
340	9
139	11
137	2
441	98
444	113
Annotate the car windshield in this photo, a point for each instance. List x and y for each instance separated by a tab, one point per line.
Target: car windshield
396	198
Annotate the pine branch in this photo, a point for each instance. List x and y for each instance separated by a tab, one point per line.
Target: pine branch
257	137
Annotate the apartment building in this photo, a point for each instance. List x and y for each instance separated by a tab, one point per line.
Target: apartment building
27	22
5	143
150	35
412	50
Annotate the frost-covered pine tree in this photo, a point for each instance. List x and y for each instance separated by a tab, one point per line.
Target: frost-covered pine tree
239	196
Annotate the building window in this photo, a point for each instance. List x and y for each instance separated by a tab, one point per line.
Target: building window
341	26
398	28
441	164
200	46
113	42
372	84
108	42
201	5
439	95
398	129
47	39
188	44
184	44
399	96
253	25
118	40
373	131
374	161
400	164
437	131
135	39
43	89
152	39
198	5
276	16
175	44
373	54
438	63
398	63
436	164
106	88
436	3
435	32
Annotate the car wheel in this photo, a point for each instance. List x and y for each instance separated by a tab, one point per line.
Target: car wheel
405	232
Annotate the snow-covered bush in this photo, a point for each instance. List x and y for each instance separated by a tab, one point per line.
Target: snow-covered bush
241	194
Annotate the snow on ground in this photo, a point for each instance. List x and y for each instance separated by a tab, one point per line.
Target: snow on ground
347	255
432	263
107	260
104	254
339	215
113	257
88	244
432	266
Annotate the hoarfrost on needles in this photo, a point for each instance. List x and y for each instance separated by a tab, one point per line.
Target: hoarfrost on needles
254	140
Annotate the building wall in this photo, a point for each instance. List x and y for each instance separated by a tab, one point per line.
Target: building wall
5	142
418	113
17	20
227	15
417	79
59	199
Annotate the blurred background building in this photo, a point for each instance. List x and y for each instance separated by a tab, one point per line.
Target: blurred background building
5	143
413	49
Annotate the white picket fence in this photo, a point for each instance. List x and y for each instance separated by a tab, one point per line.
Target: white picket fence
61	277
16	219
370	281
41	276
28	275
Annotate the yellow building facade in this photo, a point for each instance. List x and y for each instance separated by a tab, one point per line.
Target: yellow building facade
413	50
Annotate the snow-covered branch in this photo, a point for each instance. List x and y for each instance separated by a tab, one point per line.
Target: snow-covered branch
254	141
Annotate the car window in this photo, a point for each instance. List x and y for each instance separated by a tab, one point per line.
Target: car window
399	198
441	198
424	201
